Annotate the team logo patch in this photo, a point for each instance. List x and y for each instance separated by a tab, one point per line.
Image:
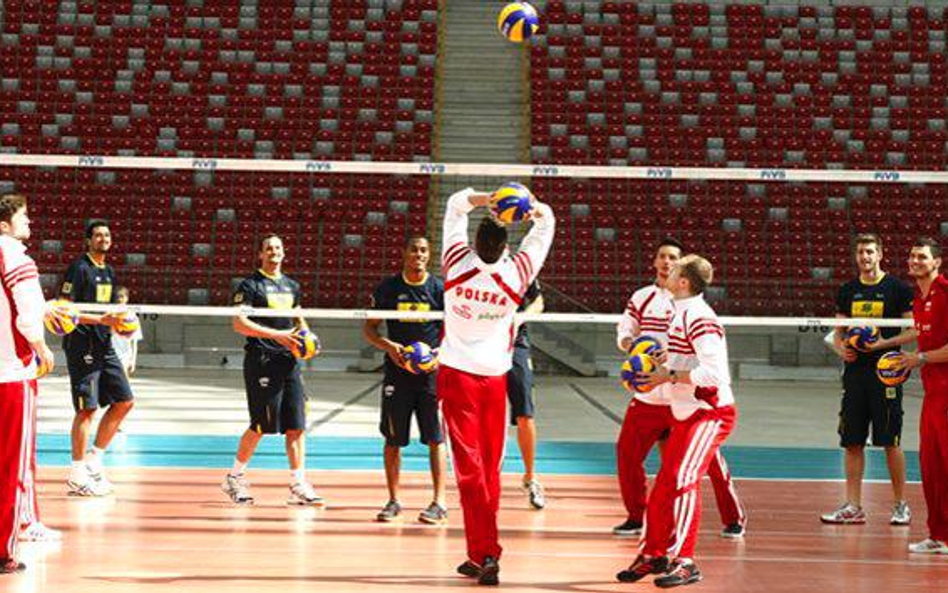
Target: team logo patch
264	381
88	359
890	393
67	288
238	298
388	391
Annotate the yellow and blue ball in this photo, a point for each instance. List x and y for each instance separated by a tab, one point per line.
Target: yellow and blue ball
61	317
41	369
635	364
891	369
511	203
645	345
129	325
419	358
305	345
518	21
860	337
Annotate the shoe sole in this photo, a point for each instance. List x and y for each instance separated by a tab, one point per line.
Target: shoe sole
489	577
428	521
301	503
843	522
695	579
627	533
732	535
941	552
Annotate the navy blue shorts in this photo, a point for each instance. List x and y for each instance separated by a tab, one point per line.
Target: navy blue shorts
867	402
401	399
520	384
275	395
97	378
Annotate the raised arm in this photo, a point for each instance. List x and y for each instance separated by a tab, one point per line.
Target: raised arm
536	245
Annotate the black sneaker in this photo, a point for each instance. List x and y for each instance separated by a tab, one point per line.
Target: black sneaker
733	531
490	572
681	572
642	567
469	569
628	529
11	566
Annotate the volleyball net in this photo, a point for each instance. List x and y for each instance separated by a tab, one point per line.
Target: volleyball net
186	229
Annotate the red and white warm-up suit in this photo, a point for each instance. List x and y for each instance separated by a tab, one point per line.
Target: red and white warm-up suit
931	320
648	417
480	301
21	322
704	415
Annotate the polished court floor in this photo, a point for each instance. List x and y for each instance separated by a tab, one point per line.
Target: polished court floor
170	528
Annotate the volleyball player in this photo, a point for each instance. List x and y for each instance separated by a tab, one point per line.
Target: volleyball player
96	375
649	418
520	391
696	381
483	288
405	394
930	312
274	385
22	349
866	401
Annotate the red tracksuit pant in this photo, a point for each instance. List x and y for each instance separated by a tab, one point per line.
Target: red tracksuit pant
475	410
674	508
17	438
643	426
933	456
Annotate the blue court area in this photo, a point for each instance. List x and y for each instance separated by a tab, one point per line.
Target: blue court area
553	457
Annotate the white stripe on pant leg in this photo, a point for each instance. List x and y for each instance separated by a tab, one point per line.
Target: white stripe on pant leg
24	434
683	521
701	433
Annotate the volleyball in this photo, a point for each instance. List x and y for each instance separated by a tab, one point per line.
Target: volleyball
419	358
41	369
511	202
637	363
128	326
891	369
518	21
305	345
61	317
860	337
645	345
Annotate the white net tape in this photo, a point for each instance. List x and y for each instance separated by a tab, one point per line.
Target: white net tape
475	169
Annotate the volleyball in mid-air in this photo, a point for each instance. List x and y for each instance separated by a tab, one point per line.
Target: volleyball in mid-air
129	325
511	203
61	317
860	337
645	344
518	21
305	345
891	369
420	359
637	363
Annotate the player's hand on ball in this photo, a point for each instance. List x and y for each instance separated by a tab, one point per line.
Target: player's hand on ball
655	378
660	356
396	353
45	358
113	319
910	360
286	338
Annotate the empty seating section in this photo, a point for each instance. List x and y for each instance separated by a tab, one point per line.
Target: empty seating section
715	85
319	79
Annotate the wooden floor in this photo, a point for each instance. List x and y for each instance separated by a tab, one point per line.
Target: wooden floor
173	529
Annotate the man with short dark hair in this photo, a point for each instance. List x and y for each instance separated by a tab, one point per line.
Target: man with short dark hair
866	401
96	374
23	351
648	418
275	396
696	381
405	394
483	288
930	312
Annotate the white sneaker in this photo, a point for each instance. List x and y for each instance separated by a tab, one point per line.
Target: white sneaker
901	514
85	484
238	489
102	484
37	532
928	546
303	494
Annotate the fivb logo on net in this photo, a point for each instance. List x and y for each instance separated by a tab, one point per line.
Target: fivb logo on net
318	166
773	174
92	161
432	168
886	175
204	164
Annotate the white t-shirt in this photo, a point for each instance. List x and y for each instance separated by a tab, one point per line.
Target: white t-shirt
123	345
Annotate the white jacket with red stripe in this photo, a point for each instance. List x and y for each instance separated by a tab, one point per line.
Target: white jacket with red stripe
648	313
696	344
480	300
22	307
